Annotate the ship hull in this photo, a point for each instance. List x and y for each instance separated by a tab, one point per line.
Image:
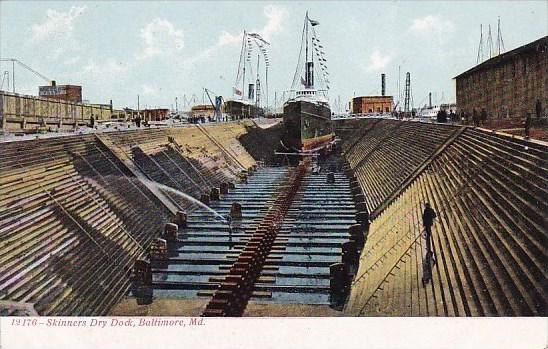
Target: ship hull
238	110
307	125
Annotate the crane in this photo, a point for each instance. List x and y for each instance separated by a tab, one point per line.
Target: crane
216	105
13	61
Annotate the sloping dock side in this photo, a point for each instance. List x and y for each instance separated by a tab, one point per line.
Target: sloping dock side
76	212
489	239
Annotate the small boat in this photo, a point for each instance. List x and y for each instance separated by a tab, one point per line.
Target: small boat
306	114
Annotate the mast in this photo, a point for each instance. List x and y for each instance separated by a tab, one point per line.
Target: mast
244	43
306	40
257	88
480	47
500	42
309	65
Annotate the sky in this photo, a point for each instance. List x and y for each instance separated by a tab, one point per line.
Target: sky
165	49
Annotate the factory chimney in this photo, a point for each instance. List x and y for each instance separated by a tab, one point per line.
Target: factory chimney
429	99
383	84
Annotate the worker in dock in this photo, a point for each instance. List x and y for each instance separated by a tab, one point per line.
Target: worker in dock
429	260
538	108
527	125
483	118
452	116
138	120
475	118
92	121
442	116
428	217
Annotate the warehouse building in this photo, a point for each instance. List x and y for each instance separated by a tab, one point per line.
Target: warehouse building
509	85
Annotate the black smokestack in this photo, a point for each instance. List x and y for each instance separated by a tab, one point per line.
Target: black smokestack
383	84
251	92
309	74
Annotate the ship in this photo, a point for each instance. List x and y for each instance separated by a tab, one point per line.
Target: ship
306	114
249	104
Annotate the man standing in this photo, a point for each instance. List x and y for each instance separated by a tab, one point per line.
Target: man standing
527	125
538	108
483	116
475	118
428	216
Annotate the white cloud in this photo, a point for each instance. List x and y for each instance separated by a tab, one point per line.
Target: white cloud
57	23
160	37
378	61
434	25
425	24
226	38
149	91
276	16
101	78
107	70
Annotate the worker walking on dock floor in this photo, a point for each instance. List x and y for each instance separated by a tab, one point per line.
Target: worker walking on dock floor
428	217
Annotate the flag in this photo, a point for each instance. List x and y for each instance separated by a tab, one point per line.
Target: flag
313	22
258	37
303	81
236	91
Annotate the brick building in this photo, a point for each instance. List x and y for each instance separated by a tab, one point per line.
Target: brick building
372	104
507	85
202	110
157	114
67	93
